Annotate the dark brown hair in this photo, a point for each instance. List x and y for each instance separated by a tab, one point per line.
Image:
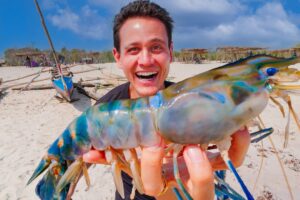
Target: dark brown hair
141	8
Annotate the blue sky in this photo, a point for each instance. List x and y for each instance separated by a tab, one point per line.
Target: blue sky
209	24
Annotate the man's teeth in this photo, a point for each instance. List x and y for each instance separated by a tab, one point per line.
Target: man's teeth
146	75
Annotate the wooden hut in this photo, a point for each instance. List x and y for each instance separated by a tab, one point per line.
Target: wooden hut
286	53
192	55
32	59
233	53
2	62
87	60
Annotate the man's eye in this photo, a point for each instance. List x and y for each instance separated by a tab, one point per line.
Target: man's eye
156	49
133	50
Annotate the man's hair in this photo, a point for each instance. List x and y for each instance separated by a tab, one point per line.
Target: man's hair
141	8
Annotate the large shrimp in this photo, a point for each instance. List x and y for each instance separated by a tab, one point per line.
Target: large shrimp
205	109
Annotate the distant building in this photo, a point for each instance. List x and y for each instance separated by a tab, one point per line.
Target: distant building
286	53
32	59
87	60
233	53
2	62
195	55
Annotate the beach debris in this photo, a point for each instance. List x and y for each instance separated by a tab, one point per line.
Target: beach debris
50	86
220	101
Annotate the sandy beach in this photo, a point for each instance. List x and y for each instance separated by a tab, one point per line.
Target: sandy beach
31	120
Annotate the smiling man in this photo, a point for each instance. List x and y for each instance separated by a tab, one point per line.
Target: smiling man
144	55
143	50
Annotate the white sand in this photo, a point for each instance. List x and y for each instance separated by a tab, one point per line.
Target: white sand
31	120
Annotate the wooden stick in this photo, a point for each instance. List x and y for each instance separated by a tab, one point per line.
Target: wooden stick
91	95
87	70
44	70
48	70
50	86
39	73
36	87
23	83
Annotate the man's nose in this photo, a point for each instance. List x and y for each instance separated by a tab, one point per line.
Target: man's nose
145	58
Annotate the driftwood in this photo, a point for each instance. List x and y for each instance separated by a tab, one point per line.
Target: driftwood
39	73
87	70
29	75
48	70
39	80
35	87
23	83
50	86
91	95
78	86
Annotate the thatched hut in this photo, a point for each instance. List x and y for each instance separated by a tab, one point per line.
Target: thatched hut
32	59
286	52
233	53
195	55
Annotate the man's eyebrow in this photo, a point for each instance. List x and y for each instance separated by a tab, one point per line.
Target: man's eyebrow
137	43
131	44
157	40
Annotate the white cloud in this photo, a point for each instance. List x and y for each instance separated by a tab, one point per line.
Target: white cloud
87	22
52	4
269	26
112	5
198	23
65	19
204	6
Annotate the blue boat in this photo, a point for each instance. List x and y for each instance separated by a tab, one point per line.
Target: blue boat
61	80
64	86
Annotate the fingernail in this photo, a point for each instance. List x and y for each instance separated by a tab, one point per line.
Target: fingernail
155	148
195	154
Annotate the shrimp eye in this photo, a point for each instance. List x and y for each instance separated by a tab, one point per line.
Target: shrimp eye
271	71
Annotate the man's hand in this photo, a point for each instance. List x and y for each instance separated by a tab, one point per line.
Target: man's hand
194	167
95	157
239	146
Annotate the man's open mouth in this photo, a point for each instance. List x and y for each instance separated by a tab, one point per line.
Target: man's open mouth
146	75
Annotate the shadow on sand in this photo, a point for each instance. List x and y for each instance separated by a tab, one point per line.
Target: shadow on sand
2	95
81	102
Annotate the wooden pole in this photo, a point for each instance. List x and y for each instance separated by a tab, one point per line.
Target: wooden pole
50	86
39	80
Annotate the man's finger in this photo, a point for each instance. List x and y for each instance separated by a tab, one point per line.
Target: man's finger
201	183
94	157
151	169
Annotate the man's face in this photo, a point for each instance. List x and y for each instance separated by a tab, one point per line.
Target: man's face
144	55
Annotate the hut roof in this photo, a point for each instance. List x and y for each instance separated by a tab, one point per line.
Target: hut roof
236	48
285	50
21	54
195	50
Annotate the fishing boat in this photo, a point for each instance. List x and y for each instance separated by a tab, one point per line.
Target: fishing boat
63	83
61	77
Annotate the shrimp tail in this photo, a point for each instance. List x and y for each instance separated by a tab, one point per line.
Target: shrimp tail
46	188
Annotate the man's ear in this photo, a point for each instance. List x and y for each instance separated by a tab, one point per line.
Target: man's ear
116	55
171	52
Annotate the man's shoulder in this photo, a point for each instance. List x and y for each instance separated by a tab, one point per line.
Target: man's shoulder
119	92
168	83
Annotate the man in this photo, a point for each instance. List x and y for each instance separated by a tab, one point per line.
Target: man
143	50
